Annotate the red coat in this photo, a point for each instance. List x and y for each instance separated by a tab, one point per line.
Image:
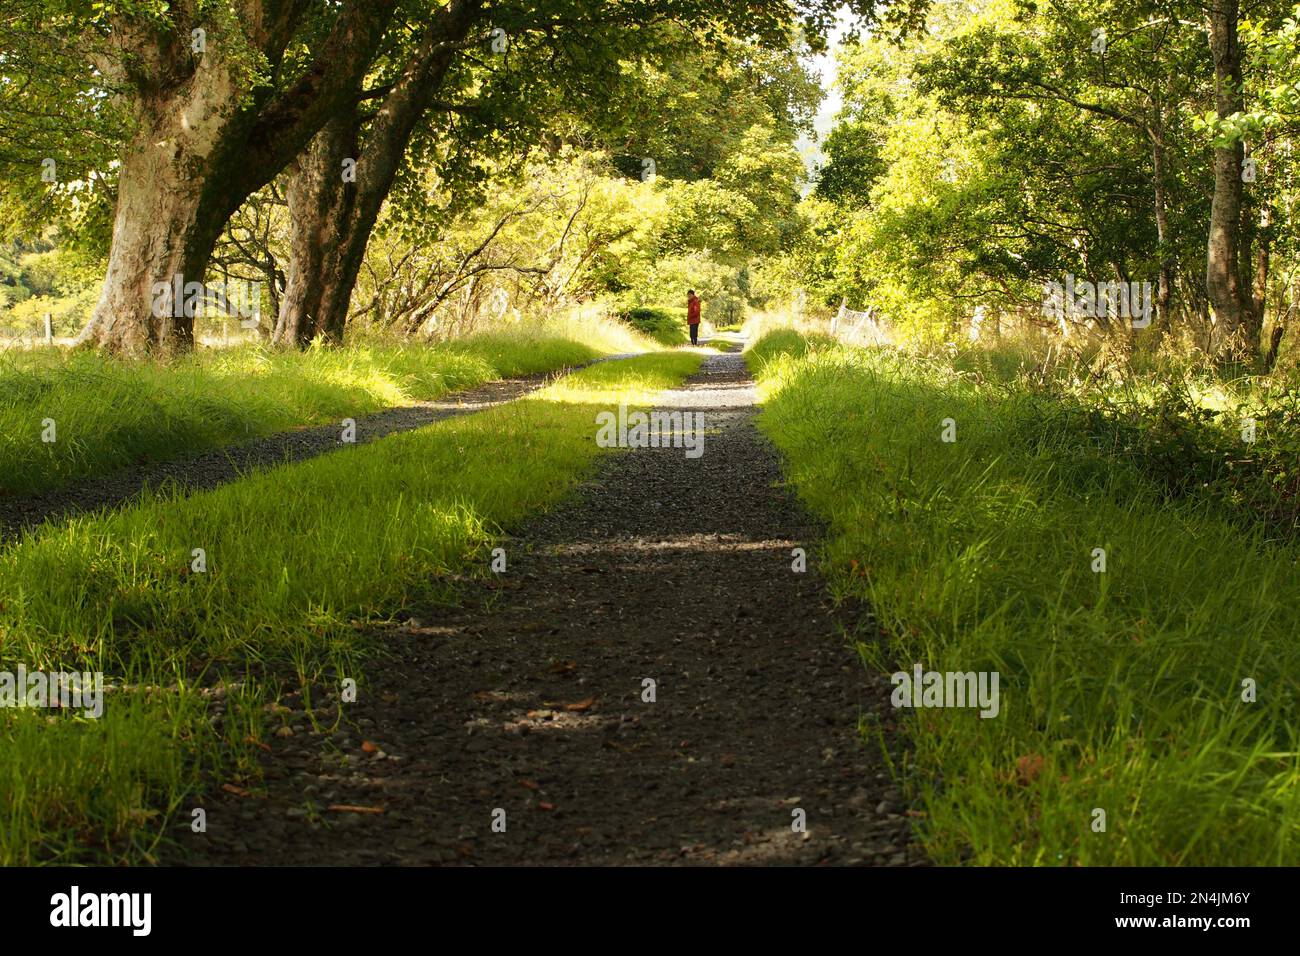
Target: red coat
693	311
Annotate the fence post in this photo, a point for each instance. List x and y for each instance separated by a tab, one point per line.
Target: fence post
844	302
49	329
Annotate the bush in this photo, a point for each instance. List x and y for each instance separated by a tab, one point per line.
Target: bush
67	313
664	324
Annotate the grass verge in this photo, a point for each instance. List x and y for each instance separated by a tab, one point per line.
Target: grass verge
1123	691
297	558
103	413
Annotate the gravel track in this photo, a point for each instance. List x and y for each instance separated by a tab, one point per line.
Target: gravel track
531	697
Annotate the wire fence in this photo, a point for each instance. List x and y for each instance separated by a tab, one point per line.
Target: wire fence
861	328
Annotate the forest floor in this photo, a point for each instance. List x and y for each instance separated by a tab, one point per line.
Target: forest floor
519	727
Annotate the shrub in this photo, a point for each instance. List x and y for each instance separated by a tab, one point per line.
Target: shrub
664	324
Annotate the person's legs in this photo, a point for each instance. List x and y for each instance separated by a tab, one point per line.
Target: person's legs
695	335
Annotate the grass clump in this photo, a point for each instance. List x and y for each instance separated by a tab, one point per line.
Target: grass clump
666	325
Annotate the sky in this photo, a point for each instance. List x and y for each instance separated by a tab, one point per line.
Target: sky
824	65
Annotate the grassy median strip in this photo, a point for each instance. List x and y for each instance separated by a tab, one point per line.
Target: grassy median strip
66	416
1148	711
294	558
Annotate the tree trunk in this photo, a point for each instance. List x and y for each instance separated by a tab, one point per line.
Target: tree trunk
320	204
1274	345
345	217
1228	294
1165	284
207	139
1259	285
165	224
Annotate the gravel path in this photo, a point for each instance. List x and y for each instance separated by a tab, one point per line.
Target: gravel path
531	698
220	465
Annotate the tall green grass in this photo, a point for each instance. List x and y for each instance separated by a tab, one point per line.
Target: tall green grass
299	558
1121	691
110	413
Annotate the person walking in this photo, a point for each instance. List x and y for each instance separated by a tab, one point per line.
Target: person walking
693	315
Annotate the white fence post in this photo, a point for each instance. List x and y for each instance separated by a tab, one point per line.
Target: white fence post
844	302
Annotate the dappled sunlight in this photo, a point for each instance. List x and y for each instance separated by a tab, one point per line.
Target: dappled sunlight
284	564
630	548
358	526
554	720
113	413
616	382
423	416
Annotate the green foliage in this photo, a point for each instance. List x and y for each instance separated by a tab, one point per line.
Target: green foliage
696	106
563	228
46	278
61	126
665	325
537	229
1011	144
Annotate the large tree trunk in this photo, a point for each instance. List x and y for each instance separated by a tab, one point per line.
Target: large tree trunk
320	206
207	139
166	222
154	213
344	216
1223	276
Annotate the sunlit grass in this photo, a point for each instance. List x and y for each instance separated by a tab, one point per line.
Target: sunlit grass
297	557
110	413
1121	691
